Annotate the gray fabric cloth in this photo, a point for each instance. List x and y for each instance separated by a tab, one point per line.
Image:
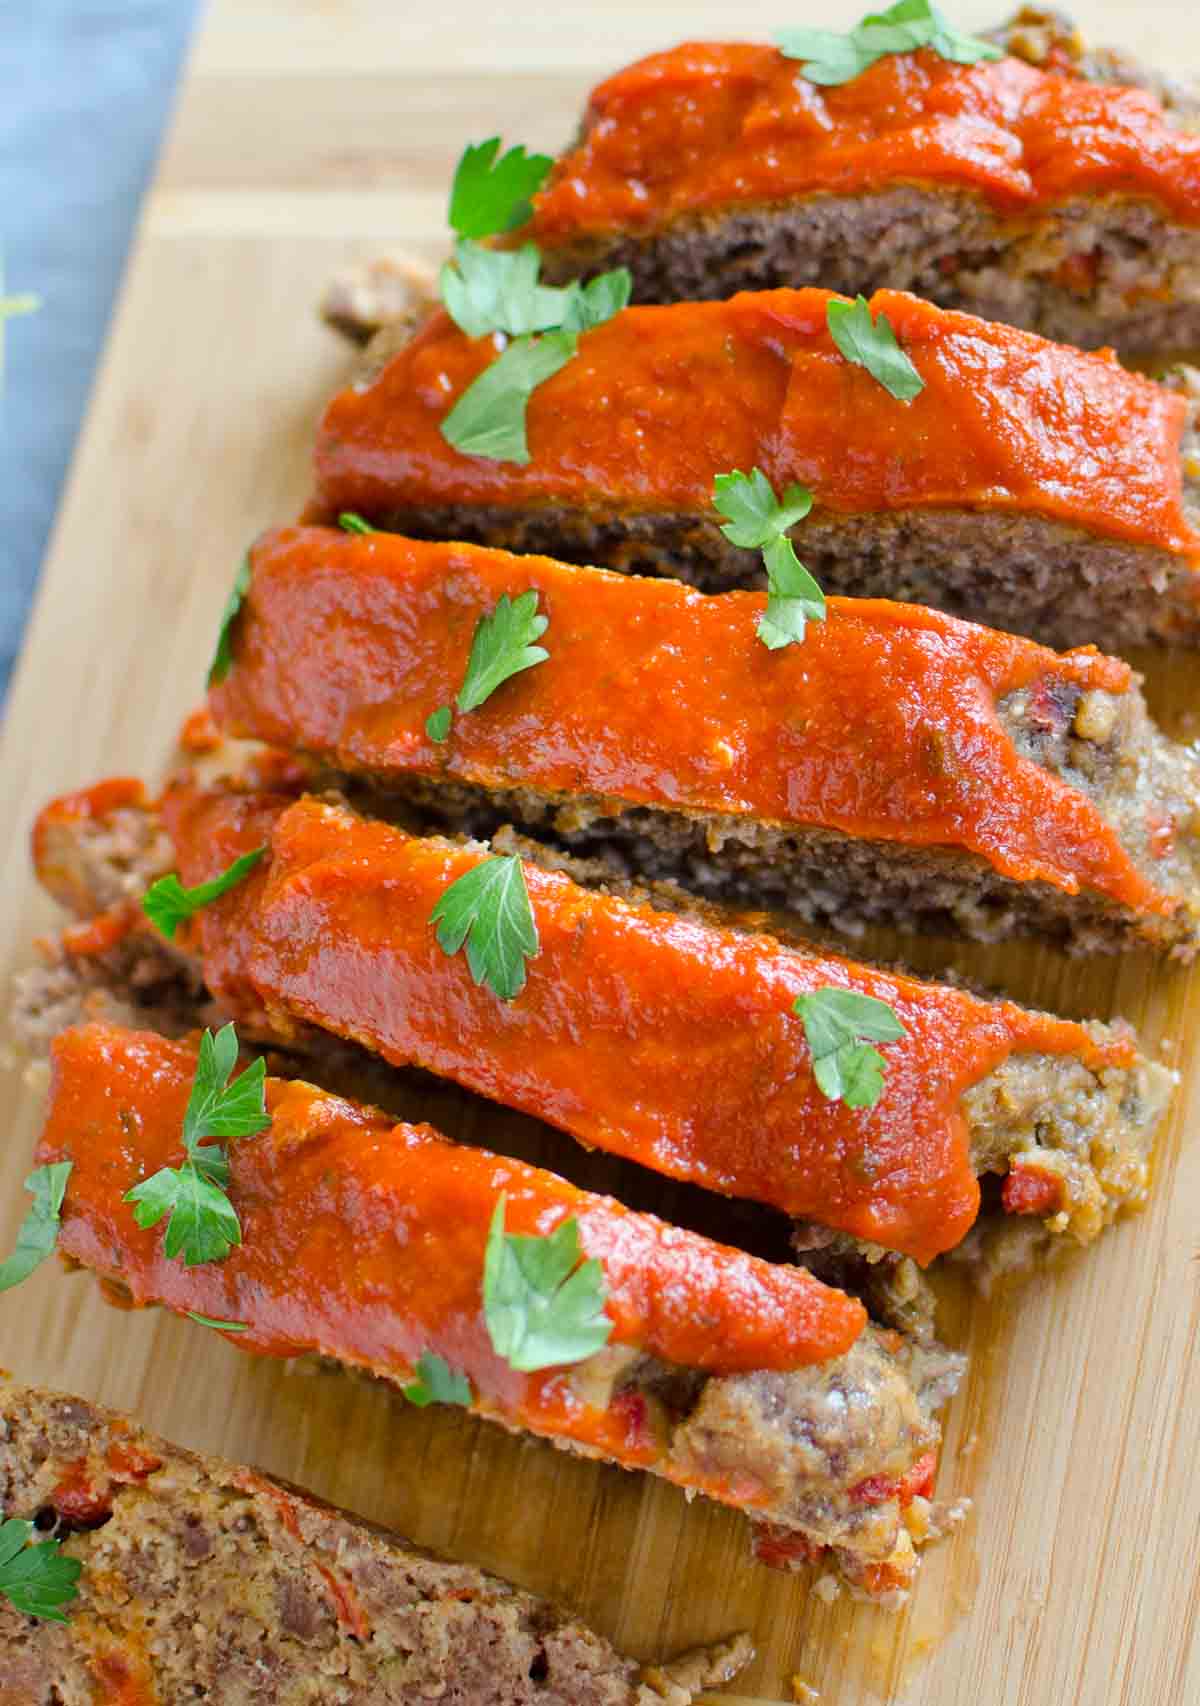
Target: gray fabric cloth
88	85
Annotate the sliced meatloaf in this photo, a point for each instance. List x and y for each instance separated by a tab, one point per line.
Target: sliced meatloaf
1056	189
899	764
717	1088
748	1381
1028	486
203	1578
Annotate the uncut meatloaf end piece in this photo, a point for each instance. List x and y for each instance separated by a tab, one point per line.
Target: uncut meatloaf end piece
202	1577
1105	269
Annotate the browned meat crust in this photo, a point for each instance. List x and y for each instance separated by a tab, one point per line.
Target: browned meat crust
204	1578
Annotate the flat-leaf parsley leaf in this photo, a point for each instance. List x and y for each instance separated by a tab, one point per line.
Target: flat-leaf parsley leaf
488	908
489	418
839	1025
167	904
223	656
203	1224
830	58
872	344
38	1232
36	1579
757	520
542	1302
502	647
437	1383
491	195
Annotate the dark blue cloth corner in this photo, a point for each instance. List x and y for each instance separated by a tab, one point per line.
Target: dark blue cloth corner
87	87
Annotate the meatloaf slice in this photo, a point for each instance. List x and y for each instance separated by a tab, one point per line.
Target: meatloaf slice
697	1329
600	1044
1055	189
1028	486
898	764
205	1578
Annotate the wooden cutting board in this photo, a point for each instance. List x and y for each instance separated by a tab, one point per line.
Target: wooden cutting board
309	132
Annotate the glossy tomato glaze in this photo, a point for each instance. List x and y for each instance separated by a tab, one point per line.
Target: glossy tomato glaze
712	125
882	724
647	1034
364	1240
659	400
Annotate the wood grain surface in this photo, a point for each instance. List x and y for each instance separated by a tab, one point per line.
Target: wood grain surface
308	133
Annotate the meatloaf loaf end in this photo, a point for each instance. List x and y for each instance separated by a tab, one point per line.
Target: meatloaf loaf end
1067	1113
748	1381
202	1577
971	185
897	765
1029	486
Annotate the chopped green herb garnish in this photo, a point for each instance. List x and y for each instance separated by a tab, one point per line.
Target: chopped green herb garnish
543	1304
167	904
492	195
503	647
830	58
591	304
204	1226
437	724
488	291
38	1232
757	520
35	1578
351	523
489	418
218	1326
488	908
839	1025
497	290
872	344
437	1383
223	656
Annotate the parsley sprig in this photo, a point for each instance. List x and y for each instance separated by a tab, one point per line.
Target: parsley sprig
437	1383
489	194
839	1026
499	293
35	1578
203	1224
218	669
542	1302
830	58
489	418
167	904
38	1232
756	519
488	908
872	344
501	648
